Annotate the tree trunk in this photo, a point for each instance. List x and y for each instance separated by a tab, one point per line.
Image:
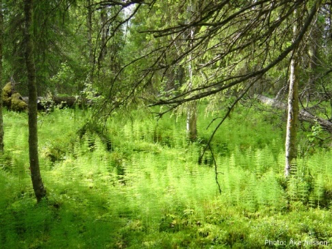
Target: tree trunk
292	117
192	107
37	182
292	110
313	47
89	26
1	105
104	33
192	110
192	121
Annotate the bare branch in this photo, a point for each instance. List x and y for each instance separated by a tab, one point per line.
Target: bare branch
208	90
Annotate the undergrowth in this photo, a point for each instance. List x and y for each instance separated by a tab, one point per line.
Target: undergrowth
147	189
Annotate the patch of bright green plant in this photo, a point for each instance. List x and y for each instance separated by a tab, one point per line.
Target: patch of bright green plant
148	190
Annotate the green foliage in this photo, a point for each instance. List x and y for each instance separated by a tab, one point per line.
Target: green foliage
64	78
135	181
317	131
148	191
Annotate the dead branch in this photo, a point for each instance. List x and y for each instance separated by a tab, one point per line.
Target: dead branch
304	114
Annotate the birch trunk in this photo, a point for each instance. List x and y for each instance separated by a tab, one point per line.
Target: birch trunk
292	118
37	182
292	111
192	107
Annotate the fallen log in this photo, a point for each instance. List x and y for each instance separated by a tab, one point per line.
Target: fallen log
304	115
68	101
44	103
15	102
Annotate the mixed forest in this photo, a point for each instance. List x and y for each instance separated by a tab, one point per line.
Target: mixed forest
165	124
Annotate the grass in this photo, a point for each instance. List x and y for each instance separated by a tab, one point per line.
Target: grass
150	192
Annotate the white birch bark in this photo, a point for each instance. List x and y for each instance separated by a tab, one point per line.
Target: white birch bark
192	106
292	111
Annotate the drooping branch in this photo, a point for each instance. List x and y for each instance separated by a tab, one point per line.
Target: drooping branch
226	39
113	3
210	89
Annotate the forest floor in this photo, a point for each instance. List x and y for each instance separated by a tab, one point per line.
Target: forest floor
139	185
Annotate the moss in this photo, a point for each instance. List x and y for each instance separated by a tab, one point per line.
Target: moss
17	103
8	88
12	99
6	94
